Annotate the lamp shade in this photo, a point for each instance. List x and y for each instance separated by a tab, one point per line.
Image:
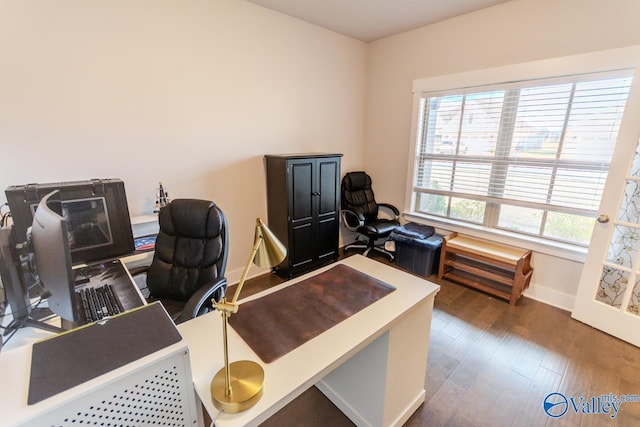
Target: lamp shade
271	252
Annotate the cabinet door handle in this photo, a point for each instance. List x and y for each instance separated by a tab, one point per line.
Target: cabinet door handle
315	193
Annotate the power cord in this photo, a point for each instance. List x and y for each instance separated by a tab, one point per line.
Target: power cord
20	324
4	217
3	305
4	220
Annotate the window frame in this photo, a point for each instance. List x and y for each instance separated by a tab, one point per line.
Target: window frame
550	71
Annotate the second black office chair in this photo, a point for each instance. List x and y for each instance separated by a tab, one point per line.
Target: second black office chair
360	213
190	258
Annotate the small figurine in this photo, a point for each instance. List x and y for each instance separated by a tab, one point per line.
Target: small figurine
162	198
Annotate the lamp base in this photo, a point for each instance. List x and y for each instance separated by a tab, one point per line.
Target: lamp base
247	379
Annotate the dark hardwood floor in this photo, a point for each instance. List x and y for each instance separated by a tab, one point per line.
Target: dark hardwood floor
492	364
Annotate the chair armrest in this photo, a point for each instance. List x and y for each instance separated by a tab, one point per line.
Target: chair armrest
393	209
352	220
136	271
200	302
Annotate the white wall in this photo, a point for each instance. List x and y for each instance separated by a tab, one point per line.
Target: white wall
194	93
509	33
190	93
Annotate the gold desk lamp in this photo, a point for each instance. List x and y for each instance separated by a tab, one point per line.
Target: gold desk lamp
238	386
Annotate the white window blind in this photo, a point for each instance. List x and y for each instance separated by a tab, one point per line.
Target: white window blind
530	157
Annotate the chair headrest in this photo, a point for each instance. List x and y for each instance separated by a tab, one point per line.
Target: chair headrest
199	219
356	181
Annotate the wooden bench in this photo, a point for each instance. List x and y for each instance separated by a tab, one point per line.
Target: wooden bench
500	270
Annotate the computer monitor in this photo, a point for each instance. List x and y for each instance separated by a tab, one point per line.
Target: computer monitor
49	243
97	214
18	273
13	279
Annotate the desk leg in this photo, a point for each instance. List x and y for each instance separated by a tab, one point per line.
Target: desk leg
383	384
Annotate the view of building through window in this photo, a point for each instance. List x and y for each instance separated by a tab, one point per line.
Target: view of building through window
530	158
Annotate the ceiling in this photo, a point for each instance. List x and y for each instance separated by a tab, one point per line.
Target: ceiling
369	20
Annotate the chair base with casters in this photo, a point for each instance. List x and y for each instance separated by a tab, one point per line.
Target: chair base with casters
368	248
370	244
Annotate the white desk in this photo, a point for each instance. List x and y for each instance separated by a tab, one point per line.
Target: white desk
155	388
372	365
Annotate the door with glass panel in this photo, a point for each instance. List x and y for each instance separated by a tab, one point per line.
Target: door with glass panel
608	297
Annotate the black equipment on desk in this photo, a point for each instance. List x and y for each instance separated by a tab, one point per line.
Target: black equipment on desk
48	243
56	225
42	265
98	303
97	214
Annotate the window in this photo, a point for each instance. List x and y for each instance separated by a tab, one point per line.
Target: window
530	157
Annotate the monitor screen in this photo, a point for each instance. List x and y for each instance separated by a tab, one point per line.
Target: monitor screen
88	222
49	242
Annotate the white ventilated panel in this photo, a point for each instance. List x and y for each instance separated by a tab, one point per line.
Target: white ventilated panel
160	394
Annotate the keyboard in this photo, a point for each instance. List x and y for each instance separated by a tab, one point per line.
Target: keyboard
99	302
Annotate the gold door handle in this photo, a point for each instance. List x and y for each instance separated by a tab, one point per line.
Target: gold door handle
603	219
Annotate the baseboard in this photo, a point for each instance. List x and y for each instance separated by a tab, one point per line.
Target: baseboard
551	297
410	410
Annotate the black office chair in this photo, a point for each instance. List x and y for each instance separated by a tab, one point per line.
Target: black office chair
190	258
360	213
